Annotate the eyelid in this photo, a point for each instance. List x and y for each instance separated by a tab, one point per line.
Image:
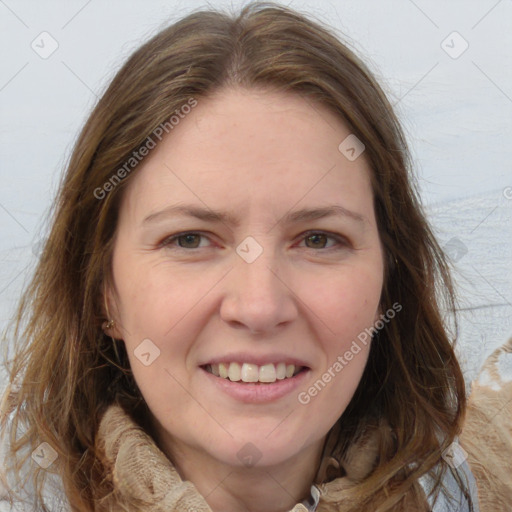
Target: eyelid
340	239
171	238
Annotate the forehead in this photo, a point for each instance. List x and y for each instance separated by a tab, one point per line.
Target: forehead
252	149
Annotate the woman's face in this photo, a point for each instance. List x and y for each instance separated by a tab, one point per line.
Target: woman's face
260	280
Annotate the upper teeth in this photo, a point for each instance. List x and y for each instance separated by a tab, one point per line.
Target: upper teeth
248	372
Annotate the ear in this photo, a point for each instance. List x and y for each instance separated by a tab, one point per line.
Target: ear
111	312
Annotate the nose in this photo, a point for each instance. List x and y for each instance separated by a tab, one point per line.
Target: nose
258	296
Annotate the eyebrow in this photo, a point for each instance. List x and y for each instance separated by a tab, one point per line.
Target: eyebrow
208	215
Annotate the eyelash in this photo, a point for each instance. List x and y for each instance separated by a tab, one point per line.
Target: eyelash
167	242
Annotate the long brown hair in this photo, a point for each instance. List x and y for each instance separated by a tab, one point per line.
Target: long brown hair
67	371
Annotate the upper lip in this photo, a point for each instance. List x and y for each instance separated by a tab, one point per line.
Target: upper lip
260	360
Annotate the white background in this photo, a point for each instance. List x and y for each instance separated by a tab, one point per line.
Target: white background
457	113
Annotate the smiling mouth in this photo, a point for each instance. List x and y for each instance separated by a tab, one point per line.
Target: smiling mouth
251	373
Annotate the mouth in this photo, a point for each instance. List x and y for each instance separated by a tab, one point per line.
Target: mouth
248	373
250	387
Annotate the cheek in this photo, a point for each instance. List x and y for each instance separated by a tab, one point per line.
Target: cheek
164	306
347	302
346	307
153	297
155	310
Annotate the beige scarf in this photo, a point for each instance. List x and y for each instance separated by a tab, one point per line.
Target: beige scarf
143	475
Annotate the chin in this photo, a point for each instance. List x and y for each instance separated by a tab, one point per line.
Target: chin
253	450
251	455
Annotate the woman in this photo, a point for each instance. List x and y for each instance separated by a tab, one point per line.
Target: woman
239	306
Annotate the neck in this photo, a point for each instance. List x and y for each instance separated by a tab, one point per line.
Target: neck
258	489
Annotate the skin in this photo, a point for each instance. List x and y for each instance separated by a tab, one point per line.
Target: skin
257	154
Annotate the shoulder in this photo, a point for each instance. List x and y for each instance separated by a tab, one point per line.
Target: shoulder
487	433
24	500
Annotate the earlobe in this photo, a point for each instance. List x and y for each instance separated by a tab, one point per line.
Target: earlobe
111	326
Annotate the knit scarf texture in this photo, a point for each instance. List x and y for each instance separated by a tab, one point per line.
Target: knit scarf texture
146	478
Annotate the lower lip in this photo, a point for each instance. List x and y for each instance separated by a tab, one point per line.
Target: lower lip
252	392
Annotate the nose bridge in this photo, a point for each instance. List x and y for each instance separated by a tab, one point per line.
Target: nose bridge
257	274
258	296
